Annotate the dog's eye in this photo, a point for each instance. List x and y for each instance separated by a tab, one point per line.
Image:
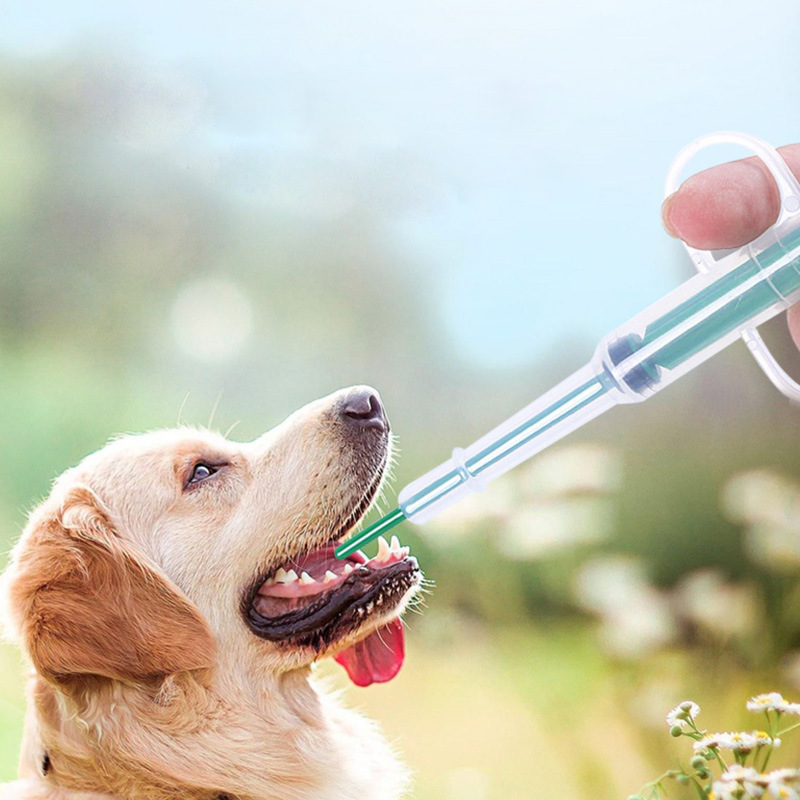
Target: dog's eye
200	472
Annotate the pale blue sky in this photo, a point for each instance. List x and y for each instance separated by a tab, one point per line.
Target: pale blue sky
545	128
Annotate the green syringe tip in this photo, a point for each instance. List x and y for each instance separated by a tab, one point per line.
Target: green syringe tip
385	523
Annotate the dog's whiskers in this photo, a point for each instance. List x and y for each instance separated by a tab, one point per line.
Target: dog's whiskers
214	411
230	430
181	409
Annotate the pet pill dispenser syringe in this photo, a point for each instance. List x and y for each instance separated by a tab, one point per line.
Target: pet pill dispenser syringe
728	299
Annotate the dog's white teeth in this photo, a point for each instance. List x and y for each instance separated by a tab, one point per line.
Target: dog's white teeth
306	578
329	576
384	551
282	576
379	601
395	544
370	606
348	568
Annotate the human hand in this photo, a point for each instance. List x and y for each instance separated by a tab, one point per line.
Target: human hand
728	206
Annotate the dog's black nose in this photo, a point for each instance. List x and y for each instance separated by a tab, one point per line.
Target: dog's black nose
362	408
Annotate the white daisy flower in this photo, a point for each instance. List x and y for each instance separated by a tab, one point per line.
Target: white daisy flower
748	777
726	790
710	741
682	713
772	701
782	791
736	772
740	741
784	775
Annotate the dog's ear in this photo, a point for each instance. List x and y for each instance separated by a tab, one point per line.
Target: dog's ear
84	603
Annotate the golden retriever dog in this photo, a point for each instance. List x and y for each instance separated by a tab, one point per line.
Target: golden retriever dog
171	595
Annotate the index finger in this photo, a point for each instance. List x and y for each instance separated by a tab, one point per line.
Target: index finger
729	205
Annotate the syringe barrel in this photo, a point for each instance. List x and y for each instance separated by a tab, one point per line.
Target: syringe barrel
703	315
655	348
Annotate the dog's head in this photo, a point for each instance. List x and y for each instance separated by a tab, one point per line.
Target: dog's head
180	550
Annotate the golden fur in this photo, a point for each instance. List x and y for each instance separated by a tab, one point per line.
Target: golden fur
124	592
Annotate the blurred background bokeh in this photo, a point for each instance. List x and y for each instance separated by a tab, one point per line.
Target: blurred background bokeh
234	208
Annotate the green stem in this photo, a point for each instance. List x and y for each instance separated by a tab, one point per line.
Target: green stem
721	760
790	728
767	757
655	785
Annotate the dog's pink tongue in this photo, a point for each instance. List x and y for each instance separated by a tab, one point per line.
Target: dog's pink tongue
377	658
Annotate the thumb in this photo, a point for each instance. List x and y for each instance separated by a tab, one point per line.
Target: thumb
728	205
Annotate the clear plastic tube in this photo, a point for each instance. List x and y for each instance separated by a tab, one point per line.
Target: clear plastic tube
581	397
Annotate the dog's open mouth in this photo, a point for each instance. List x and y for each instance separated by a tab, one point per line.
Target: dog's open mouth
316	599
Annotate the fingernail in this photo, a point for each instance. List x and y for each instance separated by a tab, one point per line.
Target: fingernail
666	217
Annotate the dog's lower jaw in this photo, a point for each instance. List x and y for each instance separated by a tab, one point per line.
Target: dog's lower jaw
334	753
